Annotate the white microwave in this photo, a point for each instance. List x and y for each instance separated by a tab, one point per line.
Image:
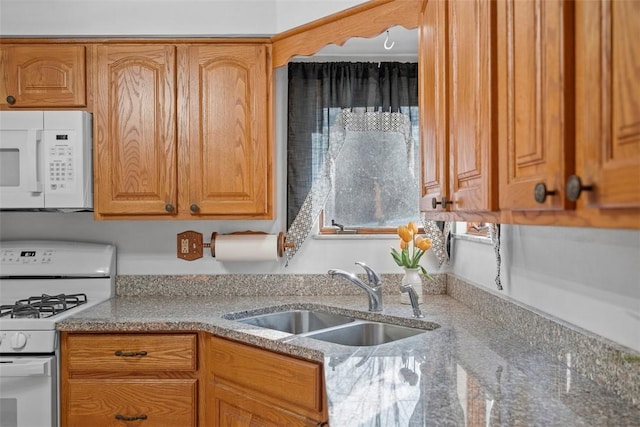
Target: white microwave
46	160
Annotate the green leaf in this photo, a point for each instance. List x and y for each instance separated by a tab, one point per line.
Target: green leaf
425	273
396	257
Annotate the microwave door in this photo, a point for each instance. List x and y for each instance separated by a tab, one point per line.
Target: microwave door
20	169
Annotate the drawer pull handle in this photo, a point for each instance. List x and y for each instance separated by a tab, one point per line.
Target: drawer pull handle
134	418
121	353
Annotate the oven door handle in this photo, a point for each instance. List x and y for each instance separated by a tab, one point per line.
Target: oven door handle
29	368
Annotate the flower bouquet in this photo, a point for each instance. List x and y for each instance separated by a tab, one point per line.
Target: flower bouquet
412	247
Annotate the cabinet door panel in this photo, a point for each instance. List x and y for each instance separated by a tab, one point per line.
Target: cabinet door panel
135	162
608	120
535	63
44	76
433	103
471	95
236	408
164	403
229	168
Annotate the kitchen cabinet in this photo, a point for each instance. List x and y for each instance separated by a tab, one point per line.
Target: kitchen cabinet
457	107
135	138
228	144
569	127
536	105
183	131
251	386
42	75
608	111
107	379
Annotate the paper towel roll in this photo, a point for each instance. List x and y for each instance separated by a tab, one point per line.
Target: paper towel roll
246	247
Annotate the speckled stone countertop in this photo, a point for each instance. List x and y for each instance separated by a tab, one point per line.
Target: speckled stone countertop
468	368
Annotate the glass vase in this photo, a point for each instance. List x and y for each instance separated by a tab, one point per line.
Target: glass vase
413	277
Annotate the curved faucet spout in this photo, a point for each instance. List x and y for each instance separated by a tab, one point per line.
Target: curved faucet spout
374	293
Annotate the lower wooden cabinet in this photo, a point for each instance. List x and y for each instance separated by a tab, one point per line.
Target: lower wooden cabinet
233	406
114	402
113	379
255	387
184	380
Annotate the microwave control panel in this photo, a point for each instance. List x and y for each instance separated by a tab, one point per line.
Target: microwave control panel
59	155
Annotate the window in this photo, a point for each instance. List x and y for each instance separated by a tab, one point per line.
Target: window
373	177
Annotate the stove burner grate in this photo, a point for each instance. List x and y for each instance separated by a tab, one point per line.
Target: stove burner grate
42	306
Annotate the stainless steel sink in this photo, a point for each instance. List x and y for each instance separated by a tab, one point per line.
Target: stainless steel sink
297	321
364	333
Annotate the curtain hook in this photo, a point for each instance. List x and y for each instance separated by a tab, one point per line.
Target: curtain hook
386	40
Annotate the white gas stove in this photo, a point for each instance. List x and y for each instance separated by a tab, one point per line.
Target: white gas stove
41	283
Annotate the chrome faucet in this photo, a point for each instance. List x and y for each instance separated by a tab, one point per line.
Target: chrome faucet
373	288
413	297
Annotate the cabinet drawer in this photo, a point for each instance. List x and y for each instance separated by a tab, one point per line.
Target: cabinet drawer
272	375
144	403
131	352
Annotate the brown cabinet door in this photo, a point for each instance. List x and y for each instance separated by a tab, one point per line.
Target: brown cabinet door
433	103
229	172
43	75
457	98
608	103
135	131
234	407
471	95
136	402
535	80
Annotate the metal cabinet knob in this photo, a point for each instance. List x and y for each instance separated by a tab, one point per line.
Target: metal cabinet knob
540	192
194	208
444	202
11	100
168	207
575	188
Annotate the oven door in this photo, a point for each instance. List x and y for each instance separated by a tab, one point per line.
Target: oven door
21	159
28	391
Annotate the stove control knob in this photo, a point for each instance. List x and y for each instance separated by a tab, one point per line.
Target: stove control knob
18	340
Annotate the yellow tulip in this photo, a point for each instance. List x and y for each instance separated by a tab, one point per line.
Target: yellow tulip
423	244
405	233
403	245
413	227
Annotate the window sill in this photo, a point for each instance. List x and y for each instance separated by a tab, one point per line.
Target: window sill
471	238
355	236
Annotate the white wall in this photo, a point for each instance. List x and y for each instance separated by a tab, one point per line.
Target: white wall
160	17
587	277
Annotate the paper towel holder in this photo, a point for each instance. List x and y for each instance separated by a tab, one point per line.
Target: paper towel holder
190	244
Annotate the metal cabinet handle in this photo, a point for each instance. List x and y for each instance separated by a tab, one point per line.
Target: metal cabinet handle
444	202
540	192
194	208
575	188
11	100
168	207
121	353
134	418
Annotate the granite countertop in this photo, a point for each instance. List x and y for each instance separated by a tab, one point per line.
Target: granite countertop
467	368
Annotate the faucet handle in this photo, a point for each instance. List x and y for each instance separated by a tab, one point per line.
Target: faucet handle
373	277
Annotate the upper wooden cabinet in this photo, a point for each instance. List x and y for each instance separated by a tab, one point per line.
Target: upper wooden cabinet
183	131
457	106
42	75
608	105
536	105
569	114
135	139
228	143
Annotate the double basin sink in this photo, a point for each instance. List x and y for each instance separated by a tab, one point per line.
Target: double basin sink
334	328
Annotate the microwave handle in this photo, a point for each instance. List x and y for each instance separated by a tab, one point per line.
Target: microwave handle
31	368
34	141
